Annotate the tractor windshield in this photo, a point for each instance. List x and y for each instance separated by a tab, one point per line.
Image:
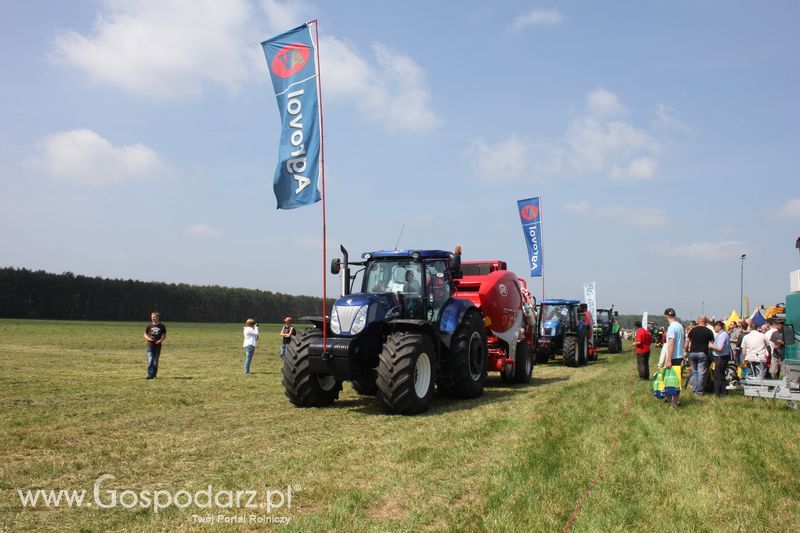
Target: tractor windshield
393	276
553	312
603	316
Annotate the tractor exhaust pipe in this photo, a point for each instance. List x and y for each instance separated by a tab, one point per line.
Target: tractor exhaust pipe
342	267
345	272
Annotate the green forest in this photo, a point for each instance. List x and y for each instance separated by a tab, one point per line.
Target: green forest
37	294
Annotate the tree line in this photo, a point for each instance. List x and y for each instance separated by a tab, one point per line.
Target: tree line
38	294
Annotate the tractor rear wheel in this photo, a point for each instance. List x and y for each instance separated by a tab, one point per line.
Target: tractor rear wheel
468	360
614	343
571	351
406	373
584	350
303	387
524	366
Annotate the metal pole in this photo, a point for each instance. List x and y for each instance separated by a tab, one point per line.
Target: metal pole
702	307
741	290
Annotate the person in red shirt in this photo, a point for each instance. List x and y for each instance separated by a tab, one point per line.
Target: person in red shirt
643	342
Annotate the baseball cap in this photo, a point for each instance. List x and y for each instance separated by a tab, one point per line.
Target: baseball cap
669	311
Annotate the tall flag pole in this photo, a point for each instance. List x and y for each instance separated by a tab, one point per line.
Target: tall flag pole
300	172
530	215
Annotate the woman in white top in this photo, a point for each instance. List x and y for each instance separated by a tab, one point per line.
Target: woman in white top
250	340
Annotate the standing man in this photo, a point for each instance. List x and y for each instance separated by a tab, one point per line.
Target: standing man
754	350
154	333
675	339
721	348
287	332
778	350
700	338
642	342
736	339
250	340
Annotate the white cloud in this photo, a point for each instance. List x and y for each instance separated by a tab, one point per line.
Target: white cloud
82	156
169	49
643	168
596	142
283	16
665	120
391	91
650	217
702	250
538	17
165	48
604	104
791	209
202	231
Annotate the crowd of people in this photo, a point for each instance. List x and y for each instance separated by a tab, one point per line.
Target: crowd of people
750	349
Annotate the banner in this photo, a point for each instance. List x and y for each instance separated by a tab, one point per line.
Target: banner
531	218
590	296
292	62
644	320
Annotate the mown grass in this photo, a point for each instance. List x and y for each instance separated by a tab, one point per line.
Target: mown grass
75	405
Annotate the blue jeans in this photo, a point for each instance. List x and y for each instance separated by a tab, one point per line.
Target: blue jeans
248	357
153	353
283	349
699	369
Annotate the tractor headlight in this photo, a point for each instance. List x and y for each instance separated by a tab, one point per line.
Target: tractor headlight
360	320
335	322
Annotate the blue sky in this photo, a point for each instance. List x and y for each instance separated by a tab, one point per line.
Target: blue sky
139	138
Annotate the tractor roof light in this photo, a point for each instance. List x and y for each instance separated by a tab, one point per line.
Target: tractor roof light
366	255
415	255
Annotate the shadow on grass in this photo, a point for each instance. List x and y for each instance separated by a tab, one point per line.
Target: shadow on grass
547	381
371	405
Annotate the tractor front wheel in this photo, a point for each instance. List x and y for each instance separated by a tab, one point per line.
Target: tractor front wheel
571	351
524	367
303	387
468	360
406	373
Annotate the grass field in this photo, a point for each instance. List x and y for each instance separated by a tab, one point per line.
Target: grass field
75	406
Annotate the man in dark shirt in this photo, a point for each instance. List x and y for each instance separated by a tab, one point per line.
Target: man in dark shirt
699	339
154	333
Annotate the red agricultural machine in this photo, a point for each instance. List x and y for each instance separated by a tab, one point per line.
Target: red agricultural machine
509	316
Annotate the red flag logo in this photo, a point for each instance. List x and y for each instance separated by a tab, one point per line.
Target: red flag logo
529	212
290	60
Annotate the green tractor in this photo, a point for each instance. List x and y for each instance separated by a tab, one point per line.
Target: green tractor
606	331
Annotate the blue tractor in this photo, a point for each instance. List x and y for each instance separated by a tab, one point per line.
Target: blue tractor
562	332
399	336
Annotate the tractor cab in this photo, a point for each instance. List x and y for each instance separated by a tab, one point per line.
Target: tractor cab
607	331
558	315
402	284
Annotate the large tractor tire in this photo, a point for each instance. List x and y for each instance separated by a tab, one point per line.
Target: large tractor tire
614	343
524	367
571	351
303	387
365	384
406	373
583	345
468	358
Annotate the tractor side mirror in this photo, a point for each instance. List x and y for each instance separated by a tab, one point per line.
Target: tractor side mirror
788	334
336	265
616	313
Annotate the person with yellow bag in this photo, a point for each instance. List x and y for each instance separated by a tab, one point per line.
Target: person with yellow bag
673	357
